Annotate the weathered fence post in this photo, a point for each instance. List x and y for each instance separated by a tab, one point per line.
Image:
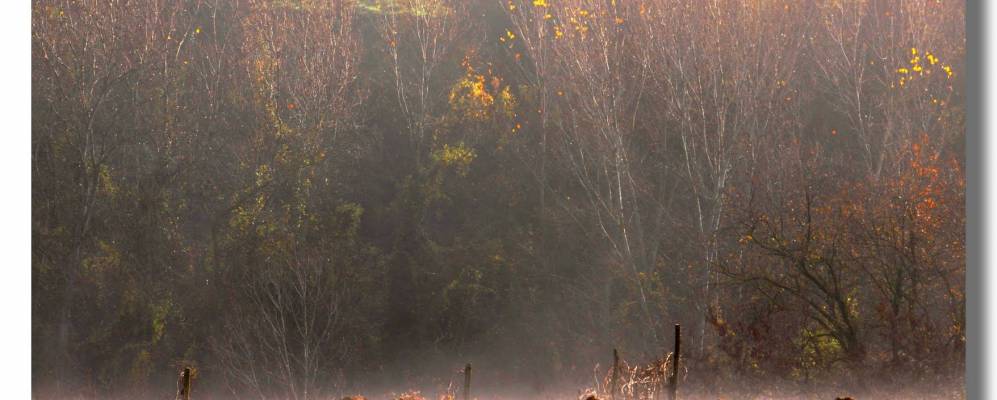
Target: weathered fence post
615	375
183	386
673	386
467	382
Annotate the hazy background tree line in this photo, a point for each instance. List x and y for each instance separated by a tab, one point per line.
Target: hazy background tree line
302	197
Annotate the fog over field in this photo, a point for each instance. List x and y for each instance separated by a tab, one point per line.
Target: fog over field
314	199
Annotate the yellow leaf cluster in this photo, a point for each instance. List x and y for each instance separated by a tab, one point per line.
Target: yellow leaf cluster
458	157
478	96
470	97
907	73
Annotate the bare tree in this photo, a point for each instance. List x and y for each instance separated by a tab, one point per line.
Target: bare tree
726	78
880	64
419	35
302	62
289	335
598	77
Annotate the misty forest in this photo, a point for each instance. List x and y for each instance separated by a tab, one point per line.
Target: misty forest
312	199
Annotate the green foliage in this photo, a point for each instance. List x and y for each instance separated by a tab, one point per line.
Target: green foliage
820	349
458	157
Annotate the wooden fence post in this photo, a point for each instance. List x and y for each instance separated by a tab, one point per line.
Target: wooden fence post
674	384
467	382
183	386
612	381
